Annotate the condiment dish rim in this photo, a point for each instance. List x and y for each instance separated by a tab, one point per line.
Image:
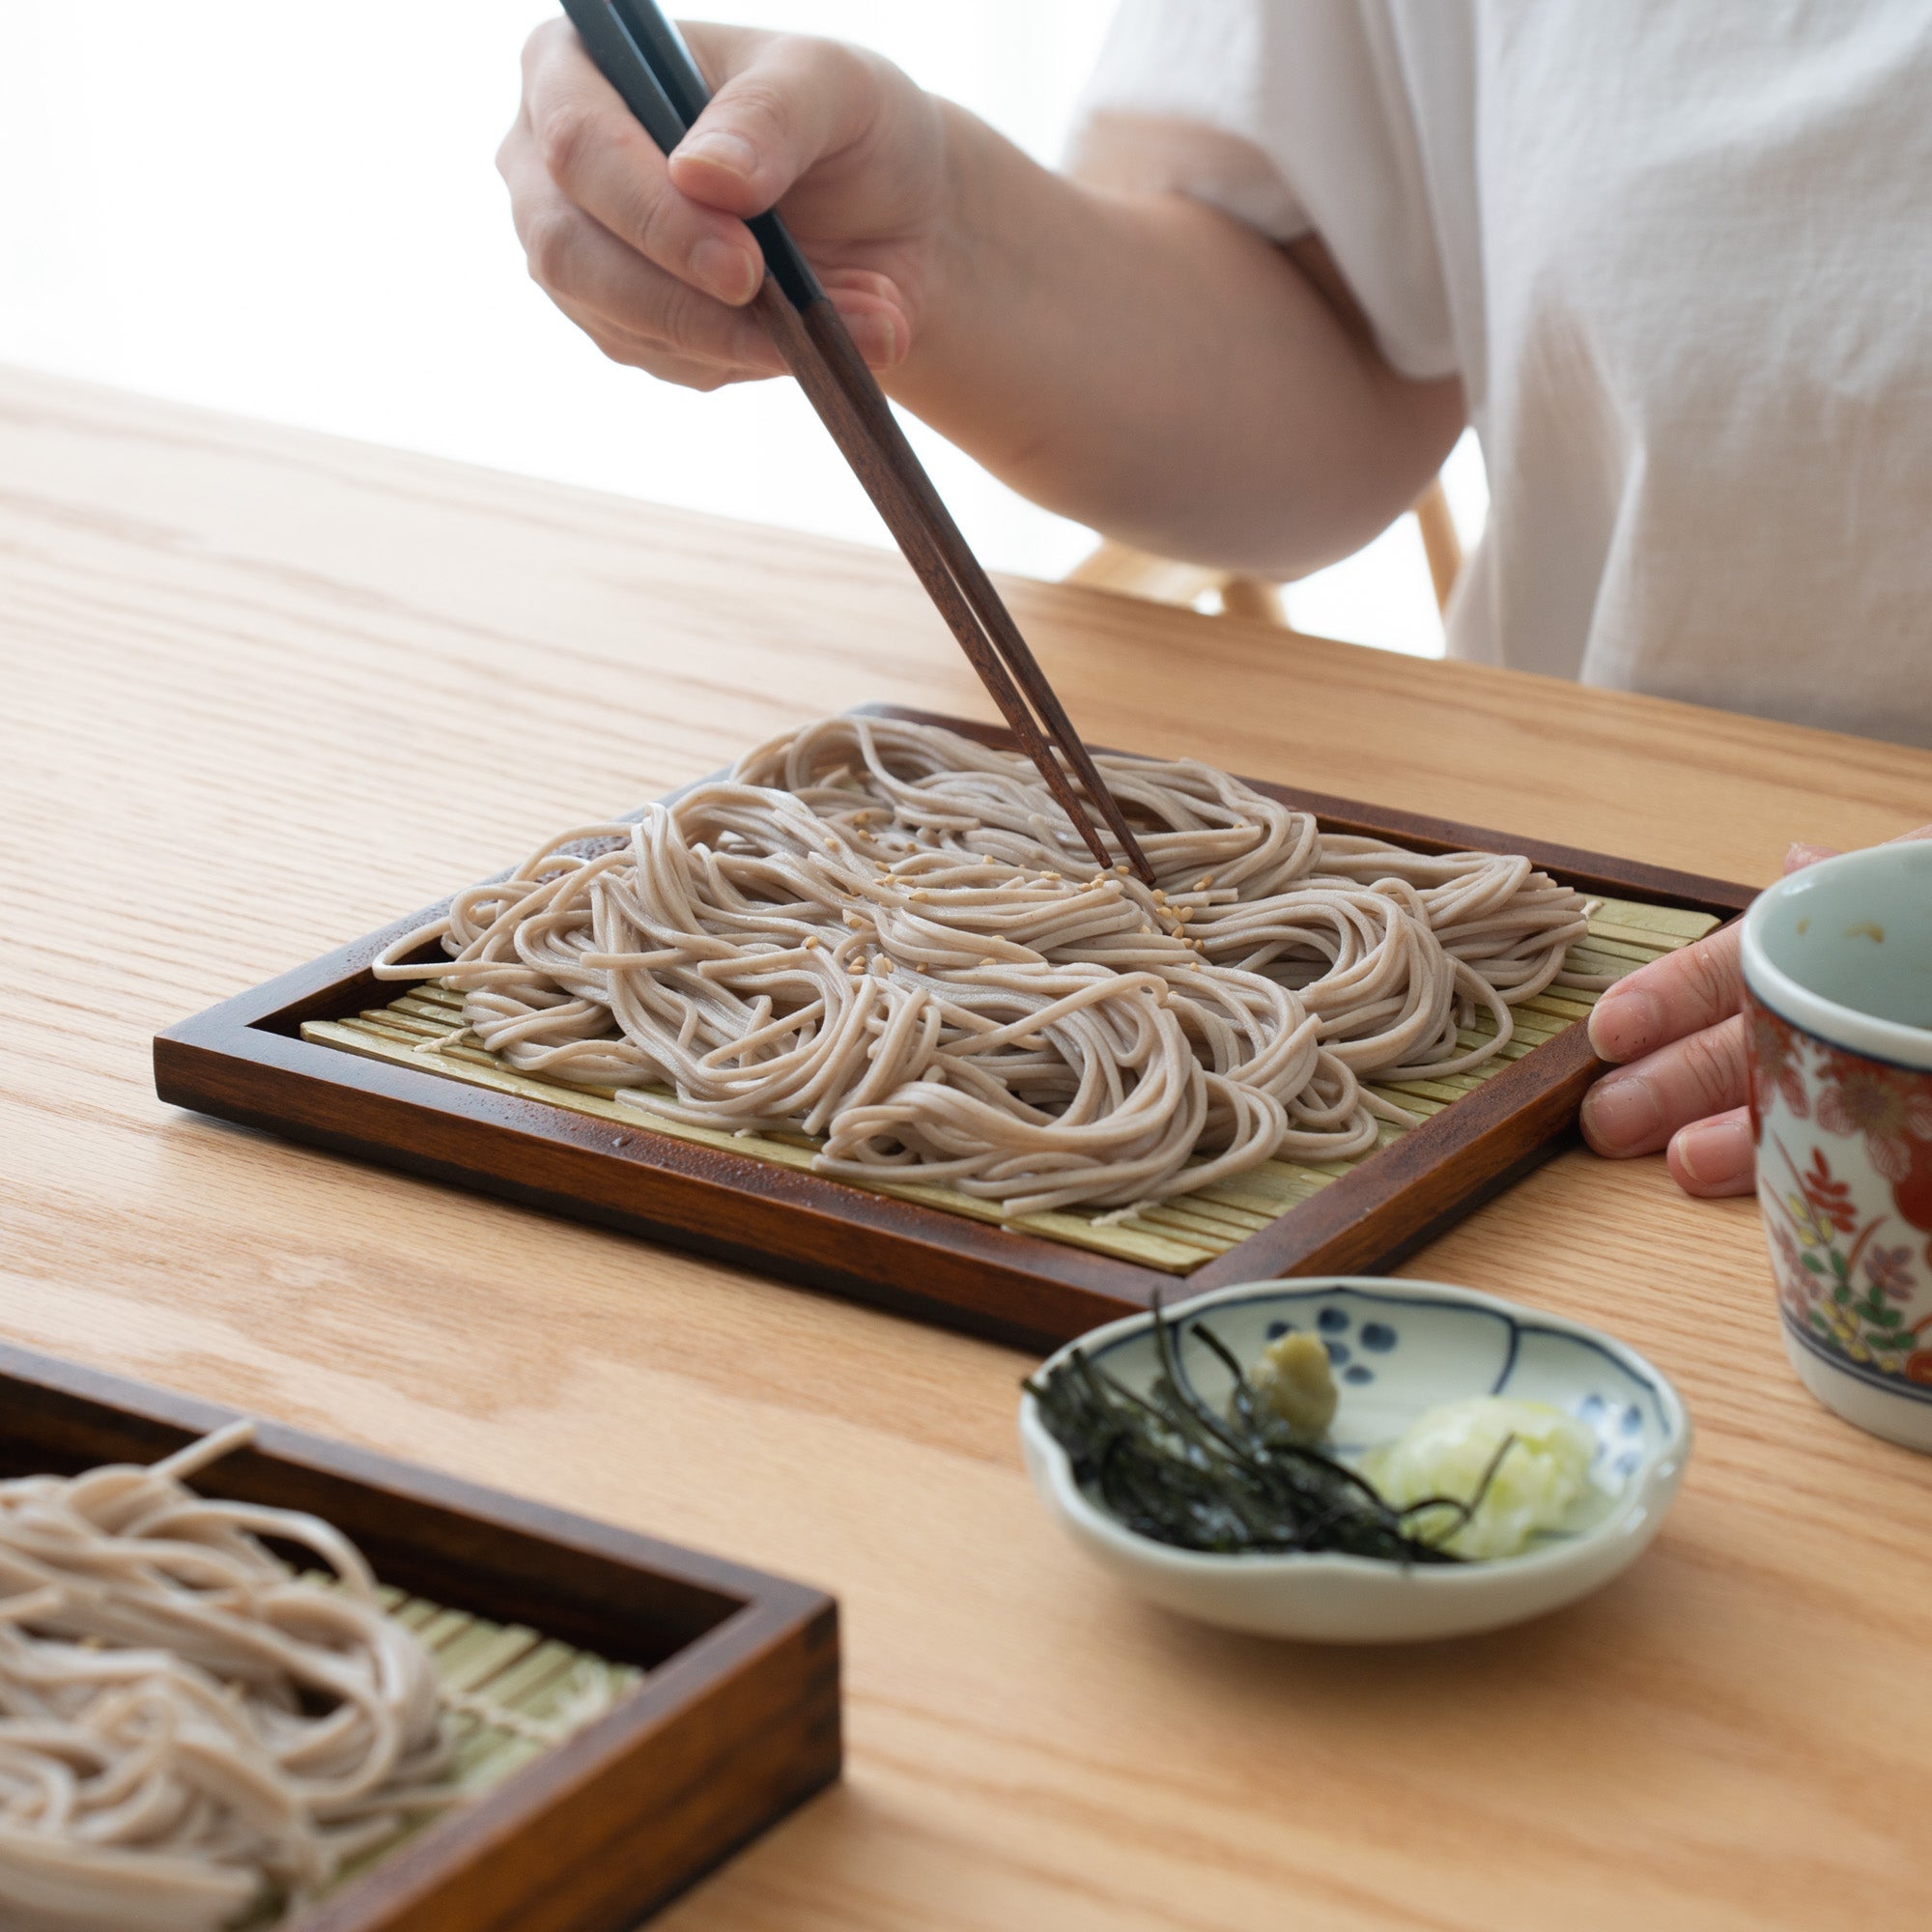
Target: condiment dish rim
1659	1471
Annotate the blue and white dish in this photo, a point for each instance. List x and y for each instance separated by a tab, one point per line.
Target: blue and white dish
1398	1348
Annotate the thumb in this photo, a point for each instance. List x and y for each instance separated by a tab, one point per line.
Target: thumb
792	102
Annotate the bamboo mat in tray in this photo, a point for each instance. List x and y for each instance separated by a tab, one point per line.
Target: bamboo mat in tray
1175	1235
512	1692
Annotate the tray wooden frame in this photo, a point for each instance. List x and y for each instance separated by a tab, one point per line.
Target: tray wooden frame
737	1724
244	1061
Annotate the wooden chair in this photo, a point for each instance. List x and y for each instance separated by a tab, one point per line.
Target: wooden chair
1116	566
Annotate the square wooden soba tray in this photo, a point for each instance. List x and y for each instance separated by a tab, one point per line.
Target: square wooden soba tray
722	1683
329	1054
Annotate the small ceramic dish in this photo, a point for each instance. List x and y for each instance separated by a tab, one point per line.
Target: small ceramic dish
1397	1348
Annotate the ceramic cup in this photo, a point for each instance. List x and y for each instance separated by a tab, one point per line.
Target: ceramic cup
1838	964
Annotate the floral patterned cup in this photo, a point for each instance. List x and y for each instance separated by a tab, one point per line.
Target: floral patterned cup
1838	966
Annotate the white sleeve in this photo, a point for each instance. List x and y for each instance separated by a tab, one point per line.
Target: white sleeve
1293	116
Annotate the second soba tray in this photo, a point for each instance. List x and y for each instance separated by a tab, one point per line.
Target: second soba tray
633	1712
331	1055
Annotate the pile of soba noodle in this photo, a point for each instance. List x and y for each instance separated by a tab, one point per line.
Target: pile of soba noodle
189	1730
890	936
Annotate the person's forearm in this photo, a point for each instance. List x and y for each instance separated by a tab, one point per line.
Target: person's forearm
1141	363
1150	367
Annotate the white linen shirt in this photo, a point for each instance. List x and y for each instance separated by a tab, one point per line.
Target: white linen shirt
1680	254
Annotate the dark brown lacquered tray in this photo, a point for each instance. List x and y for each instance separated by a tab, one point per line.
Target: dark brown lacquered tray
726	1709
329	1054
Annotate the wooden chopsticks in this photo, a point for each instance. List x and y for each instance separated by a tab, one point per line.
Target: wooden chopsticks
642	56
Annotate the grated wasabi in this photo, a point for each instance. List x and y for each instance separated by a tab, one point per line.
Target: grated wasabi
1293	1379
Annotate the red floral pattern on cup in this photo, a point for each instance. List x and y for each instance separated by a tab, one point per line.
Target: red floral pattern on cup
1845	1176
1776	1066
1890	1106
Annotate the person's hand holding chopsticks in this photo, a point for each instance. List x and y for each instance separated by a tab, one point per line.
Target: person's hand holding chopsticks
1678	1025
803	102
653	261
1138	362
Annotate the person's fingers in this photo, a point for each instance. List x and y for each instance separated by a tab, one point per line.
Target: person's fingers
1638	1109
1678	995
1687	990
872	312
1714	1157
583	268
779	105
636	351
1677	1024
610	233
591	146
1802	852
586	270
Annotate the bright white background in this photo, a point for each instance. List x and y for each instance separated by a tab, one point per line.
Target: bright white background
291	212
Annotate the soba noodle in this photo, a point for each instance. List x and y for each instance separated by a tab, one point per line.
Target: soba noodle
188	1729
890	936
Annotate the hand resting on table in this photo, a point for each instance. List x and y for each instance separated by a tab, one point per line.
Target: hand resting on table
1676	1026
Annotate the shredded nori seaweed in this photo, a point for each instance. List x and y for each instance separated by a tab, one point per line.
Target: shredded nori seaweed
1170	1466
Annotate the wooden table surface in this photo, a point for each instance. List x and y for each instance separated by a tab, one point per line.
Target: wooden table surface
261	692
